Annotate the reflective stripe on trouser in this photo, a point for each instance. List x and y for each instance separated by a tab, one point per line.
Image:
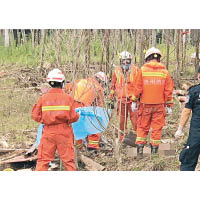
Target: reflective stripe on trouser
93	140
189	156
125	109
47	149
150	115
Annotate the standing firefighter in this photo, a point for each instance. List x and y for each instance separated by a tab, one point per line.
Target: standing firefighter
89	92
56	111
190	154
122	87
154	87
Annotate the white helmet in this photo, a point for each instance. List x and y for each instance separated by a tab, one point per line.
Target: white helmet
125	55
151	51
55	75
102	76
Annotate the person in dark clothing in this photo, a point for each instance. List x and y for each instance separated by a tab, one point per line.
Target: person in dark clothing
190	153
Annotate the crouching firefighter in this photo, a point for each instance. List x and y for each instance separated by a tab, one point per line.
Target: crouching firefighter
89	92
154	86
56	111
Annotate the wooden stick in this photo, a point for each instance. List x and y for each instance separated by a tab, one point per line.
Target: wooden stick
91	165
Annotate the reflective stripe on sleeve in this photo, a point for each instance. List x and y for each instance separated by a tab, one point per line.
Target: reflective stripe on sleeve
52	108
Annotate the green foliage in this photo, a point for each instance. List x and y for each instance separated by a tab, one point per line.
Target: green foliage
64	45
21	55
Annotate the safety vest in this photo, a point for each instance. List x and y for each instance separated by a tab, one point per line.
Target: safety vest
124	86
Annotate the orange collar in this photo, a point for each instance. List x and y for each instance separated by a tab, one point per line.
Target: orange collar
56	90
155	65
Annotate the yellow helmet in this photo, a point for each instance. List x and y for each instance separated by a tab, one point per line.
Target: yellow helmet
8	169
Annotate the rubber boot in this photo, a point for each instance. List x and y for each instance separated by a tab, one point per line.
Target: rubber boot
140	151
154	151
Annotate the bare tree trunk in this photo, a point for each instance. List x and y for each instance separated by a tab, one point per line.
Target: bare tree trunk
113	37
23	36
135	46
58	46
107	45
177	53
181	51
6	38
103	52
87	48
154	32
183	45
168	47
120	35
43	36
147	37
33	37
197	38
141	47
37	38
78	53
185	41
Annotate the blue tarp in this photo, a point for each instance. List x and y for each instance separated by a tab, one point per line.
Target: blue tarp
92	120
39	134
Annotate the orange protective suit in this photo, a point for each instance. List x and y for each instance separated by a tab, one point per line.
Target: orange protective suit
154	86
56	111
122	86
87	92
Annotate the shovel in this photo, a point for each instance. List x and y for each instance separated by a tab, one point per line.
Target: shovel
130	139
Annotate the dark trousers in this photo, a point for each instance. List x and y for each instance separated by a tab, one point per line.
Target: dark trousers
190	154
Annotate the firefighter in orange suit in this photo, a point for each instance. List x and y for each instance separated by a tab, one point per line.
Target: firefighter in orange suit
56	111
88	92
122	87
154	87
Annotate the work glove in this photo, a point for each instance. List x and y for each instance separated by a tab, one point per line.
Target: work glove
134	106
169	111
111	104
179	133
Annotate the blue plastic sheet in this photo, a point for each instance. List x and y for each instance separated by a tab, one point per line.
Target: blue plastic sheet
39	134
92	120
